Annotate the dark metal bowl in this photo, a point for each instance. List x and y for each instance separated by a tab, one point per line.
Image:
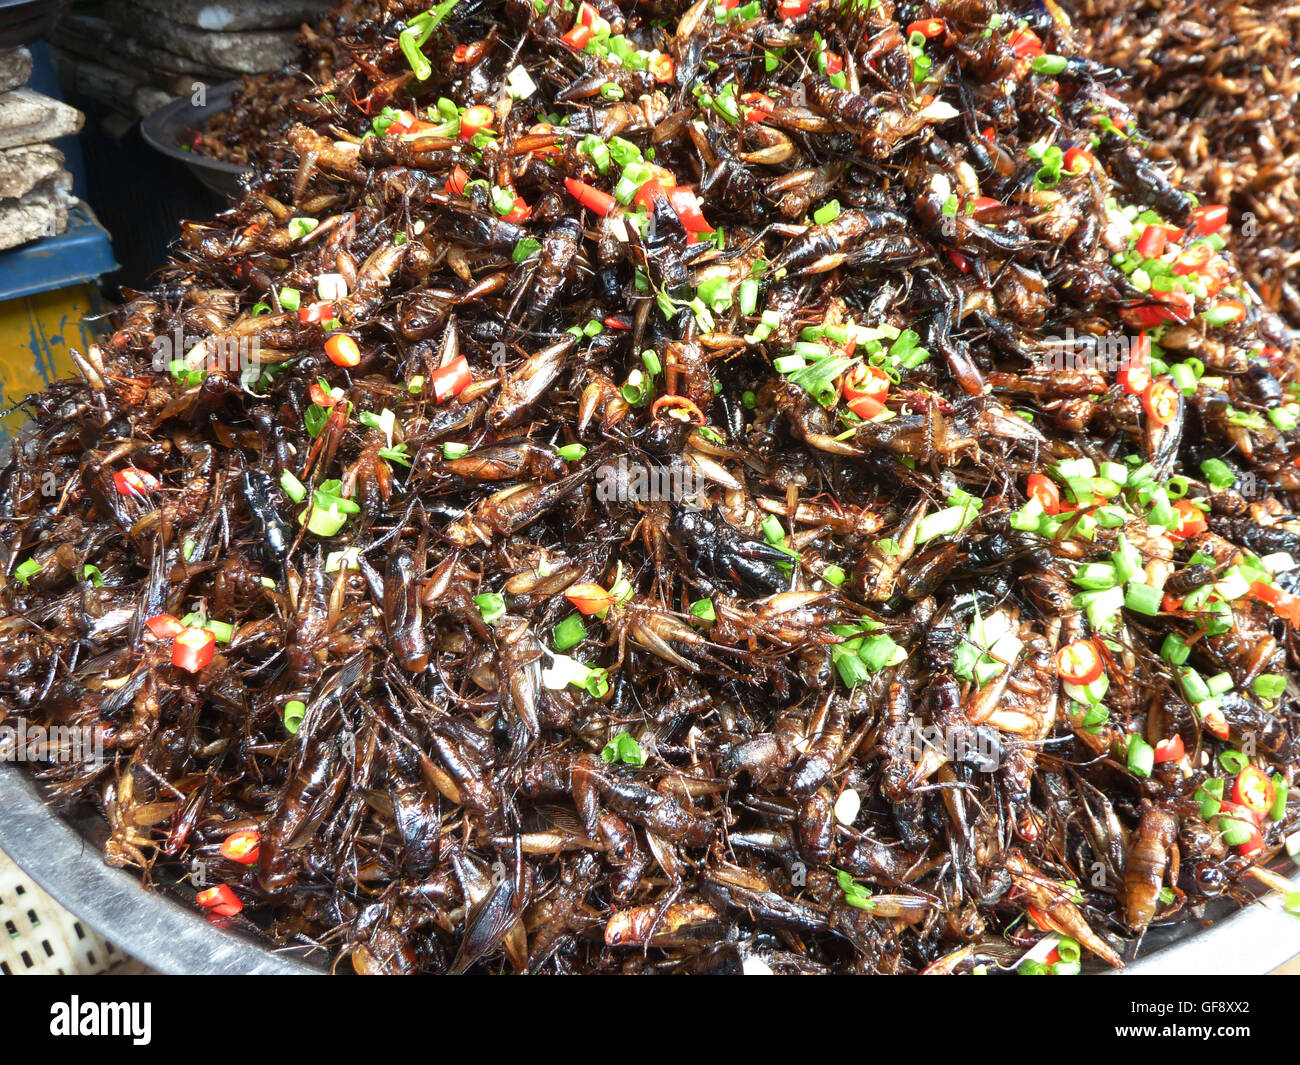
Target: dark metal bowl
171	130
65	859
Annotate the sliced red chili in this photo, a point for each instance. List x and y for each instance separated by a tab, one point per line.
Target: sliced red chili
793	8
687	206
321	396
134	481
1215	723
342	350
193	649
1025	42
577	38
221	900
519	212
1078	662
662	68
1192	259
1268	593
864	381
1151	315
1161	401
316	312
1046	491
457	182
1209	219
589	598
678	407
760	106
242	846
450	380
1229	310
927	27
1170	750
1078	160
164	626
984	208
1253	790
1135	375
866	407
474	120
647	194
1191	520
1151	244
590	197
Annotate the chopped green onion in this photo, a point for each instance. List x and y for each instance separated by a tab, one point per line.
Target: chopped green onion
1219	684
1141	756
834	575
294	712
1269	685
1097	576
1235	832
623	748
491	606
704	610
1174	650
1233	761
570	632
293	487
827	213
1193	685
1127	560
1210	796
1277	812
1143	599
299	228
525	248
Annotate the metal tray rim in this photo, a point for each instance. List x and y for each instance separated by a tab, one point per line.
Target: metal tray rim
173	939
147	925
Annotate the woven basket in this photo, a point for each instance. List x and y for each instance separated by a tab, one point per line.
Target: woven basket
40	937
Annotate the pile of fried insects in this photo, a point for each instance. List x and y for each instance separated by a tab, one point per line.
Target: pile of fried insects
775	486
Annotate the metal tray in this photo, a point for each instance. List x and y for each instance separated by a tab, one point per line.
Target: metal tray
149	926
62	857
174	125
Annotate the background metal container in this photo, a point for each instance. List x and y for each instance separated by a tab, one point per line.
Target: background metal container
171	129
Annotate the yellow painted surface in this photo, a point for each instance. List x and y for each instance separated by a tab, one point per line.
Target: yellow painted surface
35	335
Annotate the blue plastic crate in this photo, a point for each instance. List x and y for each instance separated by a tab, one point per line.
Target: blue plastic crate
81	253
